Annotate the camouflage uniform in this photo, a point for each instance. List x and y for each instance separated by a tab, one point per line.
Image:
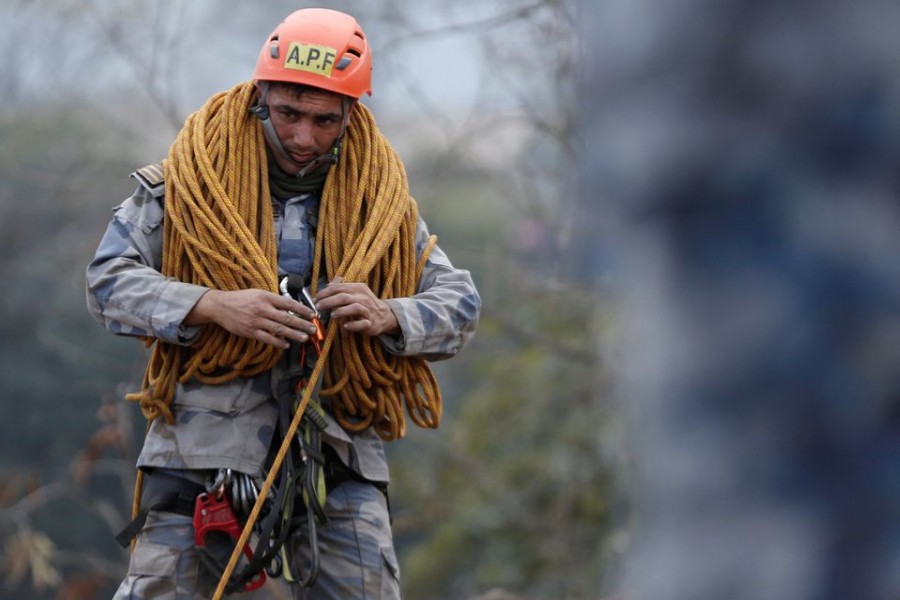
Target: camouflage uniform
232	425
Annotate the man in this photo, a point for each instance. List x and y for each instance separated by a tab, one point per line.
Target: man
275	192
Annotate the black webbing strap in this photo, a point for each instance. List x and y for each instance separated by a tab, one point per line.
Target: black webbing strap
165	492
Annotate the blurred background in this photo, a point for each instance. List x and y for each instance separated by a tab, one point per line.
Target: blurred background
511	496
682	217
742	169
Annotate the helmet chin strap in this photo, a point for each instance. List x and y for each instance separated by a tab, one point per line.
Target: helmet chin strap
261	110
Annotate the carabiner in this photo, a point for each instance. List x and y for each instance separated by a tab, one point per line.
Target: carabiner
221	482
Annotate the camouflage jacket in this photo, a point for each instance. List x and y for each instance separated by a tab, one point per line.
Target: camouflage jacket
232	425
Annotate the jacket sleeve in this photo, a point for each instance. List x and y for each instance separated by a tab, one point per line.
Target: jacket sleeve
441	317
125	290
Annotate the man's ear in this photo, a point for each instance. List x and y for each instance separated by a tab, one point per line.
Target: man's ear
349	105
259	106
262	89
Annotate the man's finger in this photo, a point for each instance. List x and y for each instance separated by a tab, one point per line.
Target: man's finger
291	305
358	325
335	286
273	340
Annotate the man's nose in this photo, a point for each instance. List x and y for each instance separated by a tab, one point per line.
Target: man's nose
302	134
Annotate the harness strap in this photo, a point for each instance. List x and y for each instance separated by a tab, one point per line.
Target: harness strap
165	492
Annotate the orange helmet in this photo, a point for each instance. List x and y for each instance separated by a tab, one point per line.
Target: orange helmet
318	47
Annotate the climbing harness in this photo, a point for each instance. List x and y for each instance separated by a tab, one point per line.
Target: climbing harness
297	465
300	479
299	483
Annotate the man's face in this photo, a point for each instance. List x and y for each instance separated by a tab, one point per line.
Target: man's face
307	125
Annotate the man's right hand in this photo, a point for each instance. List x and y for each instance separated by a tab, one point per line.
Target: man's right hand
255	314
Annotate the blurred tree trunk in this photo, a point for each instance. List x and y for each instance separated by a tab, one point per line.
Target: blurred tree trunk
744	159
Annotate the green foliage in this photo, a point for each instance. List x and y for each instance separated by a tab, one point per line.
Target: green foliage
55	199
513	491
61	172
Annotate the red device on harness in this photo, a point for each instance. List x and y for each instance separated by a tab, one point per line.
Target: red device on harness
212	512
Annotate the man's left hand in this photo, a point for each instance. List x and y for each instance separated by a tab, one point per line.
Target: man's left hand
361	309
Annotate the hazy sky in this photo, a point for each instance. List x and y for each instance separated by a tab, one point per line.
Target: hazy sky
200	47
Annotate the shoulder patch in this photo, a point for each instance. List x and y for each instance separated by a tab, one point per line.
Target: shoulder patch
152	178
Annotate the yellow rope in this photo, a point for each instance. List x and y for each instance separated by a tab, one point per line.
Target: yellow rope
219	233
368	222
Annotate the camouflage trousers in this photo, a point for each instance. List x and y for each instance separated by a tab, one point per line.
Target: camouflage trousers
356	555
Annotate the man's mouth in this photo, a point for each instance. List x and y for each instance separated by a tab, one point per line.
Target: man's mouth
301	157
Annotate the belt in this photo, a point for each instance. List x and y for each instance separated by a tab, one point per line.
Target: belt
168	492
336	472
162	491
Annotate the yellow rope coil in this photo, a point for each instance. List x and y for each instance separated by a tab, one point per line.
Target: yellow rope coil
219	233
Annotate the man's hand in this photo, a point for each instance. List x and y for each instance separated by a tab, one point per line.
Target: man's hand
255	314
362	310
